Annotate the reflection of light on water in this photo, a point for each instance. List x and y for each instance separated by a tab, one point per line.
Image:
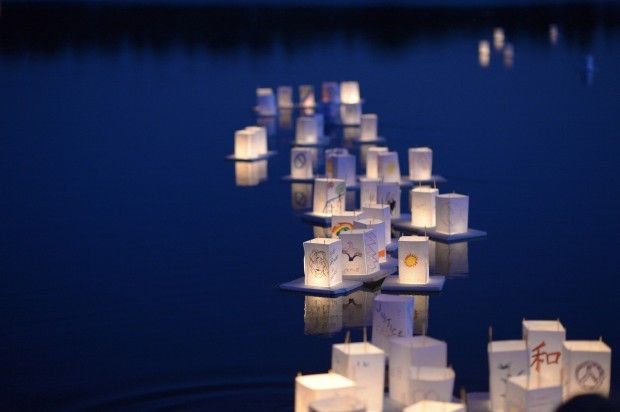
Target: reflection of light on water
588	70
498	38
420	314
554	33
322	315
484	53
509	53
250	173
268	123
357	308
301	196
451	258
285	119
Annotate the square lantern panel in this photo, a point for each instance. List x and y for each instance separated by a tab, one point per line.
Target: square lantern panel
507	358
586	368
323	262
392	317
310	388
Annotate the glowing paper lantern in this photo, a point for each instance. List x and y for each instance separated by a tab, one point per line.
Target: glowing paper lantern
323	262
338	404
507	358
322	315
359	250
372	167
330	92
420	163
452	211
306	96
484	53
368	127
265	101
525	394
379	227
350	114
451	258
285	97
380	212
388	168
435	406
544	340
423	201
498	38
341	166
389	194
301	163
350	92
587	368
310	388
343	222
364	364
329	196
413	264
368	191
259	138
392	317
430	383
301	195
306	130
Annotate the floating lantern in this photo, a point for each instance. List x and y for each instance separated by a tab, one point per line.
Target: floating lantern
435	406
343	222
329	196
359	252
341	166
250	173
544	340
368	191
301	163
246	146
310	388
351	114
430	383
259	139
323	262
413	264
507	358
306	96
388	168
368	127
420	163
451	258
509	55
265	101
380	212
306	130
392	317
372	170
423	207
586	368
350	92
301	196
330	93
389	194
452	212
322	315
525	394
285	97
554	34
484	53
379	227
498	38
338	404
357	308
363	363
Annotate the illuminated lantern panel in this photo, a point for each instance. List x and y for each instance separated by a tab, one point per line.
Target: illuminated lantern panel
413	265
498	38
544	339
323	262
245	145
392	317
379	229
430	383
420	163
330	92
586	368
301	163
372	170
525	394
310	388
452	213
507	358
338	404
259	139
435	406
368	191
329	196
423	212
363	363
306	96
388	168
350	114
359	252
343	222
322	315
380	212
265	101
350	92
285	97
341	166
368	127
306	130
389	194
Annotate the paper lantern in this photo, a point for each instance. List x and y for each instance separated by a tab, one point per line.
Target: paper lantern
329	196
586	368
368	127
245	145
301	196
379	227
544	340
250	173
259	139
389	194
452	212
322	315
498	38
265	101
338	404
484	53
451	258
330	92
423	201
310	388
350	114
368	191
343	221
413	260
359	250
420	163
364	364
388	168
306	96
507	358
372	167
357	308
525	394
306	130
323	262
341	166
301	163
430	383
285	97
392	317
435	406
350	92
380	212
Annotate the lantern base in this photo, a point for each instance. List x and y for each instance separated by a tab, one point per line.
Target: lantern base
393	284
373	277
321	141
433	179
299	285
252	159
289	178
404	224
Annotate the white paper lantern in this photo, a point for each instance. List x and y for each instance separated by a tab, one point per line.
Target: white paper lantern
452	212
420	163
413	267
423	201
322	315
379	227
250	173
310	388
435	406
338	404
392	317
525	394
343	222
359	249
368	127
388	168
380	212
364	364
259	138
544	340
245	145
265	101
301	195
330	92
507	358
301	163
430	383
323	262
389	194
350	114
341	166
357	308
586	368
306	96
306	130
285	97
329	196
450	258
372	166
368	191
349	92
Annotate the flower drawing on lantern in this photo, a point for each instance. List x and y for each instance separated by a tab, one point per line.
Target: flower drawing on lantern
351	251
590	375
300	160
411	260
341	227
317	263
539	357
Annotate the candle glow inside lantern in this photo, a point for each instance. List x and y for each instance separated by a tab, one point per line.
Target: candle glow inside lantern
259	138
343	222
413	265
368	127
452	211
350	92
306	130
338	404
368	191
306	96
507	358
388	168
380	212
435	406
544	340
330	92
389	194
392	317
525	394
329	196
586	368
364	364
323	262
285	97
430	383
420	163
265	101
322	315
350	114
341	166
310	388
301	163
359	250
379	227
372	168
423	200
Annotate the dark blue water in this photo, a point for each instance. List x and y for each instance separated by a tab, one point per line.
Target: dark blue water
136	274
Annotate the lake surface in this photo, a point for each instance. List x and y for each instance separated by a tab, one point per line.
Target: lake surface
137	274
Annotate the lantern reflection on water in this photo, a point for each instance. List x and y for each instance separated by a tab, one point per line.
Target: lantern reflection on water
310	388
322	315
250	173
301	196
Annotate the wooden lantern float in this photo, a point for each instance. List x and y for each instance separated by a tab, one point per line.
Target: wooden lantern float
350	92
413	263
329	196
310	388
380	212
368	191
388	168
388	193
350	114
452	211
368	128
301	163
544	340
306	131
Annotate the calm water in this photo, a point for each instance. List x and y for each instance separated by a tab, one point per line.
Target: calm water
137	275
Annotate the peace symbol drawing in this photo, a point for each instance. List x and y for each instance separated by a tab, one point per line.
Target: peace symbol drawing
300	160
590	375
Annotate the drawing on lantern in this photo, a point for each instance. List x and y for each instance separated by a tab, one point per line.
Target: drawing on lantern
341	227
507	369
590	375
300	160
539	357
411	260
351	251
317	263
373	259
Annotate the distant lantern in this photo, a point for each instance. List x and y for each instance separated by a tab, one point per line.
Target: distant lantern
435	406
260	138
524	394
301	163
372	170
452	211
341	166
420	163
343	222
265	101
306	130
484	53
507	358
306	96
351	114
322	262
310	388
498	38
379	227
285	97
322	315
329	196
392	317
359	252
413	262
368	191
587	368
544	340
350	92
388	168
250	143
423	201
330	92
388	193
368	127
380	212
